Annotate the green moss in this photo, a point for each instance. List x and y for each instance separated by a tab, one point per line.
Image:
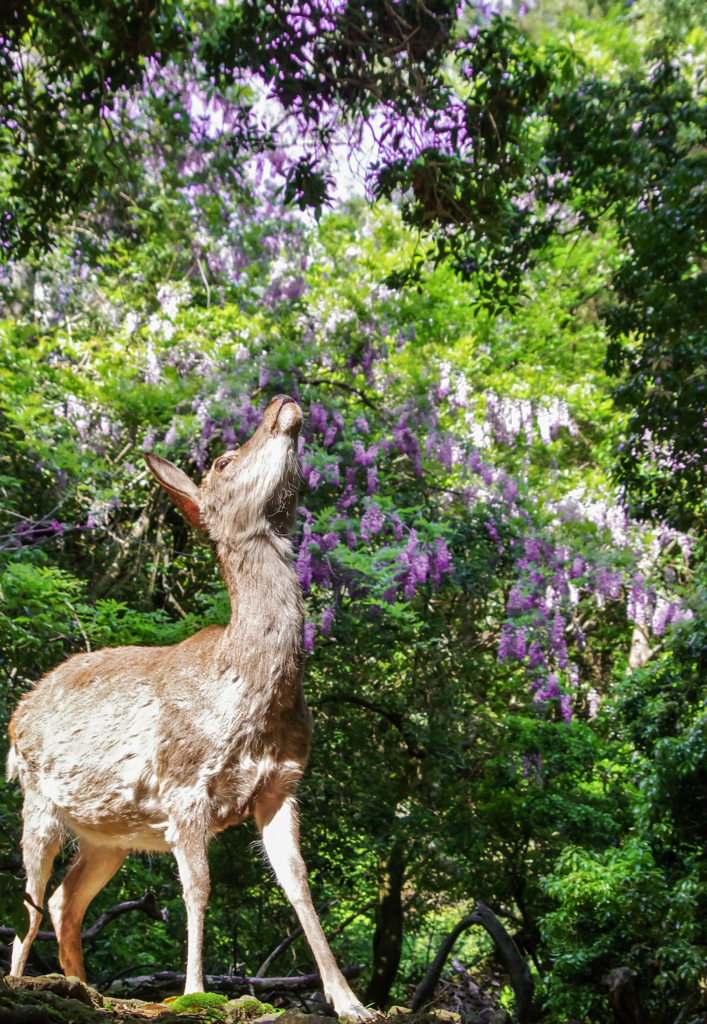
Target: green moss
254	1008
200	1000
248	1009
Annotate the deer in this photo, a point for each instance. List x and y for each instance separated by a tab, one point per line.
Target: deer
160	748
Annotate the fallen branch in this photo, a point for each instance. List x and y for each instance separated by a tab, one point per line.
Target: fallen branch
147	904
226	982
519	973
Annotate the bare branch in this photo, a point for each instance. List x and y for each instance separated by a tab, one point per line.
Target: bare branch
521	979
147	904
425	991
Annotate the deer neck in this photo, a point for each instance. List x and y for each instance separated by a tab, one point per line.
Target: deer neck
262	643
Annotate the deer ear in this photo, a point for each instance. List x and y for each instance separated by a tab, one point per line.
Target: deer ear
183	491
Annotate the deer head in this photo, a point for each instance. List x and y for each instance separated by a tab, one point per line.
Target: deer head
249	491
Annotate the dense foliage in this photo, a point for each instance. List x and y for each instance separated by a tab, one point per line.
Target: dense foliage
501	530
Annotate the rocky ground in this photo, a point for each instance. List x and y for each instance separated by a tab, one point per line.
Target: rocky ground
54	999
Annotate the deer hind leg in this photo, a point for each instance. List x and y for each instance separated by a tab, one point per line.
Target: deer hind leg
278	821
90	869
41	840
193	863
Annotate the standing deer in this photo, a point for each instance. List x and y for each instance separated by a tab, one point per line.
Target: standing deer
160	748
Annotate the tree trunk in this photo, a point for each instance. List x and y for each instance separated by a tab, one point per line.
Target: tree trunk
640	648
388	936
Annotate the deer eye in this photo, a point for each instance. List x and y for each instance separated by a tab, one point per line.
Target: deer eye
221	464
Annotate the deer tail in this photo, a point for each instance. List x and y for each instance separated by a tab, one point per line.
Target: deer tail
11	769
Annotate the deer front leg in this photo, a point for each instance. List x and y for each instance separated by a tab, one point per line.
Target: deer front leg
192	861
278	821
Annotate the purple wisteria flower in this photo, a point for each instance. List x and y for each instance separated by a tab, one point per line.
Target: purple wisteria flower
608	584
663	614
566	708
493	532
337	424
520	643
311	475
441	562
637	600
536	656
364	456
510	489
318	417
552	688
506	643
349	495
405	440
533	550
372	521
444	453
577	569
531	761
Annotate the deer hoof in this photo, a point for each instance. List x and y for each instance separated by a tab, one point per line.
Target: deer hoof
354	1011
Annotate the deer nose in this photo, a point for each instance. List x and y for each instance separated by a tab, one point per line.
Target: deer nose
284	418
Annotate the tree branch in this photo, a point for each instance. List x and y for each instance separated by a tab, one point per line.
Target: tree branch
425	991
147	904
519	972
